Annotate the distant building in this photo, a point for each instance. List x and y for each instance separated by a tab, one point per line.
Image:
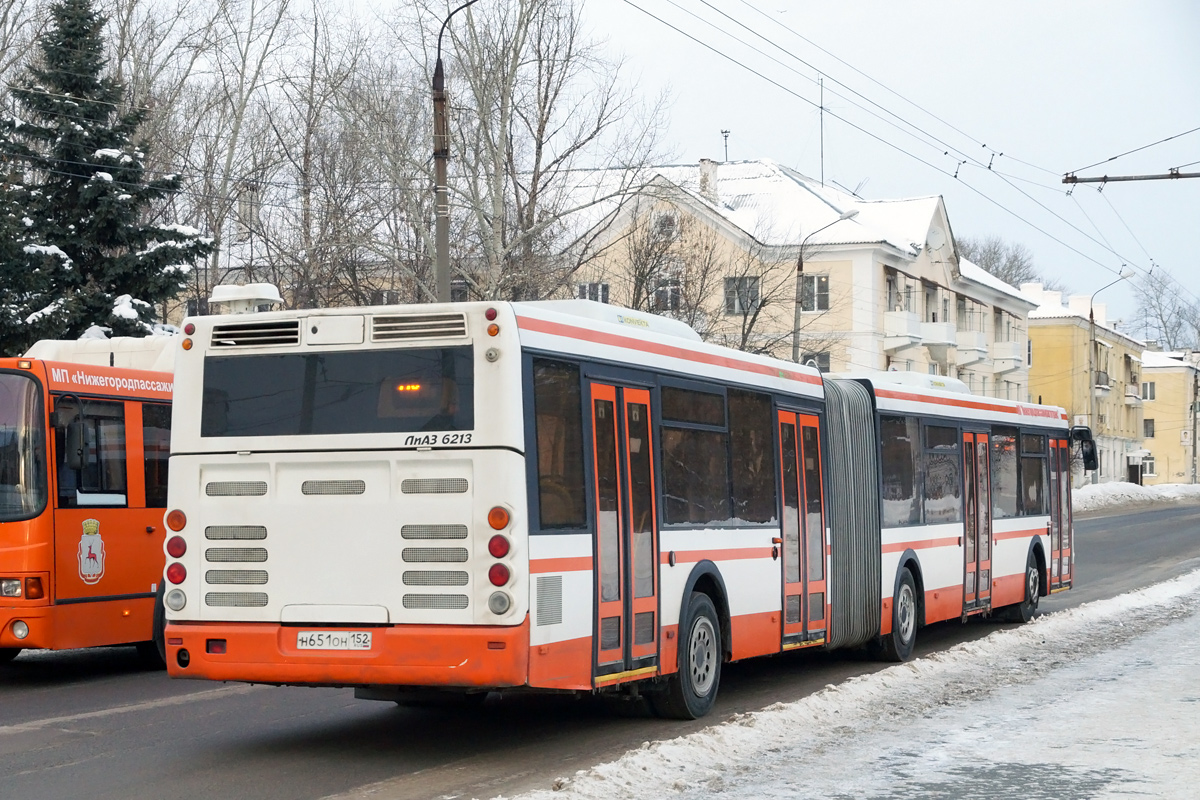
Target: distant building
1103	392
742	251
1168	417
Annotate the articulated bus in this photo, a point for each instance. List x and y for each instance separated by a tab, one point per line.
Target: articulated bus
84	444
568	496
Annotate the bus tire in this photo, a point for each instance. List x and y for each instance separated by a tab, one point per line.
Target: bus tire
154	652
1024	610
898	645
7	654
691	692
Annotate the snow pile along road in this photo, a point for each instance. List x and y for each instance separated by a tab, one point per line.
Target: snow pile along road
1100	496
1081	703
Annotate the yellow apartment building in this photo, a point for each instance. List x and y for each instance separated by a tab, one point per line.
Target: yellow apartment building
1102	391
757	256
1169	384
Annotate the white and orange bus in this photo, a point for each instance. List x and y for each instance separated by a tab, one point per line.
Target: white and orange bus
571	496
84	443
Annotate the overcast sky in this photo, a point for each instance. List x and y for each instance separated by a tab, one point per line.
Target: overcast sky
1053	85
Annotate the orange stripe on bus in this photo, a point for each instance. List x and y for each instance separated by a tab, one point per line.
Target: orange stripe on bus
1000	536
734	554
577	564
1021	410
599	337
900	547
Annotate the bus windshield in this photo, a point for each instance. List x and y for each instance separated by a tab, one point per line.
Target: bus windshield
22	448
375	391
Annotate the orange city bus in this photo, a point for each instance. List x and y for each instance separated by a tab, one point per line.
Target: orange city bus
84	445
570	496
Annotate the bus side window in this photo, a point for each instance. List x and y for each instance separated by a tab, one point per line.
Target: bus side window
102	480
752	455
900	451
1004	472
1033	475
558	415
943	476
156	436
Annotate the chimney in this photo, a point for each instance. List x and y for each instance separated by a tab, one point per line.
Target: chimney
1080	304
1101	313
1051	298
708	180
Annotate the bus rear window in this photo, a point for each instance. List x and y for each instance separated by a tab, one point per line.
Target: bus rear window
373	391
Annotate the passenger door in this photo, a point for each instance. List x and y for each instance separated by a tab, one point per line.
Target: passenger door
626	539
803	537
977	523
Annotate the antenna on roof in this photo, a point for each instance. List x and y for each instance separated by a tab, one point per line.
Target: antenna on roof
725	133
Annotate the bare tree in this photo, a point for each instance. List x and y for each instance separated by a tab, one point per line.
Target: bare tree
1167	316
20	23
1011	262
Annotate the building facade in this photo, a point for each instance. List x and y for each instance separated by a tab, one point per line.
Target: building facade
1169	388
756	256
1092	371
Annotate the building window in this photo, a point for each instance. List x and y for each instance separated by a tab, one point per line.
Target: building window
1148	428
1029	352
819	360
814	292
592	291
197	306
667	294
458	291
741	295
1148	466
1148	390
666	227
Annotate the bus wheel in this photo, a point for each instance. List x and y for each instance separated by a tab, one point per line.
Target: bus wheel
154	652
898	645
1024	610
7	654
691	692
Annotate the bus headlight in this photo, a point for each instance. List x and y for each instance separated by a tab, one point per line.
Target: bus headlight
175	600
499	603
20	629
10	587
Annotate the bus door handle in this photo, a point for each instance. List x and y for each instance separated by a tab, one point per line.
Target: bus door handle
150	529
775	542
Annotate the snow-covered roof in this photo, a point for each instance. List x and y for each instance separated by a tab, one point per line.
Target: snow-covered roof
1056	310
973	272
1154	358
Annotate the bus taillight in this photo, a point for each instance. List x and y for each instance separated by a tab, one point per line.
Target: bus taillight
176	547
33	589
176	520
498	546
176	573
498	518
498	574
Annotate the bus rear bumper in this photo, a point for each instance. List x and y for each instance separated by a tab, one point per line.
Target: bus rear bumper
400	655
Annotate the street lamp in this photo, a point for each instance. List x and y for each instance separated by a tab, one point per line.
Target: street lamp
799	281
1122	275
441	159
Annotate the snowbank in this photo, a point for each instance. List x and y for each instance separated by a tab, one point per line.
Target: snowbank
1099	496
806	734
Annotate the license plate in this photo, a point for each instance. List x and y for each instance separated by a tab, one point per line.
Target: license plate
333	640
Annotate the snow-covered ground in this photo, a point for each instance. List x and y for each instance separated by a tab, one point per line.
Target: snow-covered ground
1100	496
1101	701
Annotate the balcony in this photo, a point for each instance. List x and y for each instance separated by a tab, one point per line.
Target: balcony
1008	356
972	347
901	329
1133	396
1102	386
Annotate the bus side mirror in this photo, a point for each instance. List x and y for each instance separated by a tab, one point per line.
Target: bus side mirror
1087	449
74	448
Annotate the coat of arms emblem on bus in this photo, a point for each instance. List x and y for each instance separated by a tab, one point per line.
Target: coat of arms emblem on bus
91	552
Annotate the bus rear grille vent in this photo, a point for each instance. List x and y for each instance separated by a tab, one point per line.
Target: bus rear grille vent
333	487
415	555
433	531
433	485
235	555
235	488
256	334
435	601
235	532
417	326
549	599
429	577
236	599
235	576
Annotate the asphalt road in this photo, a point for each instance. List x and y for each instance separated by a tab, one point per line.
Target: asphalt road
96	724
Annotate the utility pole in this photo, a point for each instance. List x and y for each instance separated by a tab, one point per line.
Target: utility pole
1195	404
800	282
441	161
821	105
